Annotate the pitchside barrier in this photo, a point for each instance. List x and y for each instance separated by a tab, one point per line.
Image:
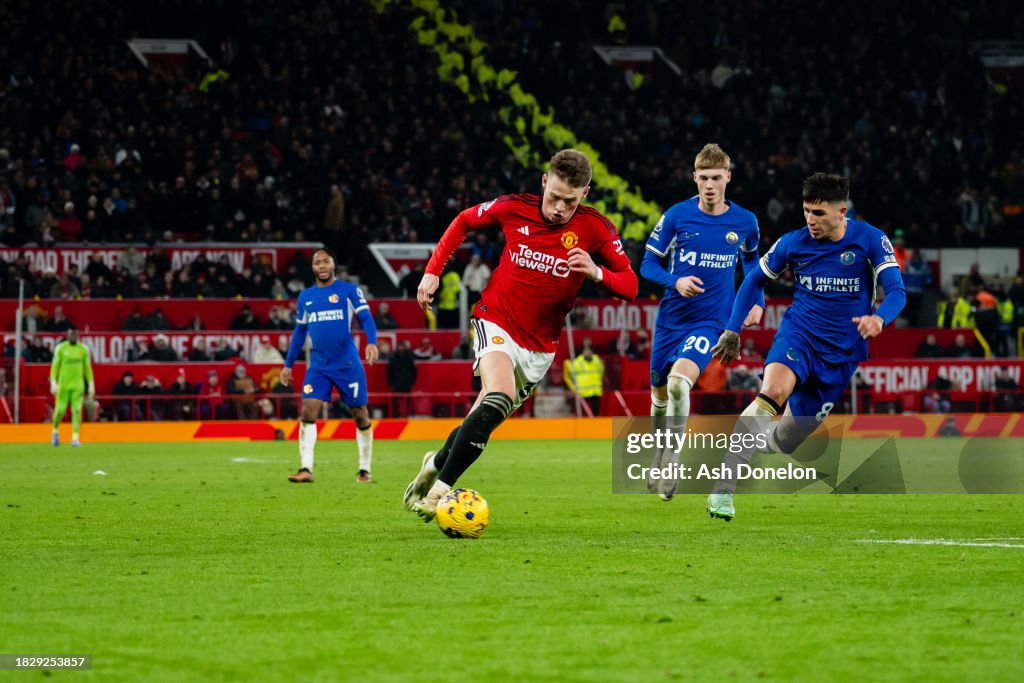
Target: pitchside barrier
1002	426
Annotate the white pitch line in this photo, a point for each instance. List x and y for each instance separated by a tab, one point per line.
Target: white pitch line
941	541
260	461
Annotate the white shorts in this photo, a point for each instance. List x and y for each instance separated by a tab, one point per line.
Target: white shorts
529	366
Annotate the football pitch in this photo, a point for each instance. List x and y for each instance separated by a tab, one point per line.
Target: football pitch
201	562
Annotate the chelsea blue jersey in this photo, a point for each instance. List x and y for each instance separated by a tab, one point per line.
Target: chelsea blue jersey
835	282
328	313
706	246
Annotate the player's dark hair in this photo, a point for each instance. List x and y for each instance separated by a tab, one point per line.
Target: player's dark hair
572	166
328	252
826	187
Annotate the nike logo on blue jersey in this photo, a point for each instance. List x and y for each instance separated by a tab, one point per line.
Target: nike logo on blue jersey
309	303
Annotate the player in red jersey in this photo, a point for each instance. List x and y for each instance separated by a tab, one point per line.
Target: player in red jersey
550	244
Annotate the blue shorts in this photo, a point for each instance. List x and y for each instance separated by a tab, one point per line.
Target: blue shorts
820	384
693	343
350	383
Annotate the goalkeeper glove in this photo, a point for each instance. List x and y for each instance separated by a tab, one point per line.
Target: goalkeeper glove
54	387
92	389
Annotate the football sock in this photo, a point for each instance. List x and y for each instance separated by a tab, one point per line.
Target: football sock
438	490
755	419
658	407
473	435
442	455
364	440
307	442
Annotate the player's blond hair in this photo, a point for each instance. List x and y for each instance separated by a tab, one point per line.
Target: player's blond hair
711	156
572	166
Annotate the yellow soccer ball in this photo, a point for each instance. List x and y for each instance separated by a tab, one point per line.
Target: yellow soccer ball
462	513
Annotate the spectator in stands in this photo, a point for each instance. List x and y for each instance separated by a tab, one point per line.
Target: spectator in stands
184	407
384	320
1005	390
184	286
162	351
63	288
750	354
152	408
741	379
622	345
938	400
246	320
276	321
136	322
476	276
224	350
584	377
411	281
126	409
949	427
58	323
138	351
384	349
930	348
101	288
484	248
955	311
243	388
402	378
425	351
199	354
39	352
643	345
448	298
464	349
278	291
211	404
917	277
158	321
960	349
132	261
266	354
196	324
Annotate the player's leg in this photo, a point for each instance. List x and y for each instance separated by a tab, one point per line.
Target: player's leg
59	409
76	400
352	388
684	374
497	374
779	382
666	342
808	407
316	389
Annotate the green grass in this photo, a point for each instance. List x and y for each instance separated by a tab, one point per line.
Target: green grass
184	565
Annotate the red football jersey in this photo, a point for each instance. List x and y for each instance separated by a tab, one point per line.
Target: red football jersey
532	289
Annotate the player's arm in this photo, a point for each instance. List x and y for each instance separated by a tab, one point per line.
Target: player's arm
749	259
652	266
617	275
298	340
88	372
476	217
362	311
889	276
58	359
770	266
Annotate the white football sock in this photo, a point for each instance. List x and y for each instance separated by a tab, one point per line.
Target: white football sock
307	443
364	440
438	490
658	407
755	419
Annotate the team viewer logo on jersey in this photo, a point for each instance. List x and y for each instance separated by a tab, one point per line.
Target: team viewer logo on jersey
731	237
307	388
570	239
847	258
333	298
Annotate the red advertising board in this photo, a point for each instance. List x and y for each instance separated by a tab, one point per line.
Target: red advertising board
59	259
